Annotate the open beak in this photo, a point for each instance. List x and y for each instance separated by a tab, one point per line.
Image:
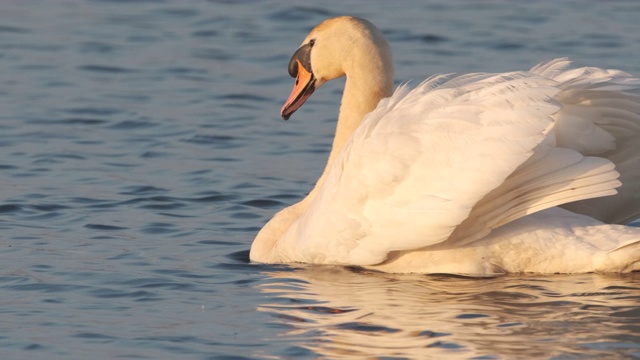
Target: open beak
303	88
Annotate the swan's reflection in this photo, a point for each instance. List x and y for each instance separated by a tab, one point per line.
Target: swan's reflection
339	312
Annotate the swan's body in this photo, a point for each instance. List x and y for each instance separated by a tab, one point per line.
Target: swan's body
463	174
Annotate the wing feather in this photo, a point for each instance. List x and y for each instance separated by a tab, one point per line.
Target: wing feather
601	117
419	163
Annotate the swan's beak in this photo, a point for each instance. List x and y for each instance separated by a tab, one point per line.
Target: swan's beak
303	88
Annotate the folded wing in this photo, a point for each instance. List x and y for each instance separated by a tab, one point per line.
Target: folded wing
601	117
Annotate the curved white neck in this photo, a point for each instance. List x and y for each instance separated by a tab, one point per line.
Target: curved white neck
363	91
360	97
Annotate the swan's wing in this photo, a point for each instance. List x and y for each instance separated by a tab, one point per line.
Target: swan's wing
419	164
601	117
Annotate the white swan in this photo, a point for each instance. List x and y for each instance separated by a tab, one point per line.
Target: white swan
464	174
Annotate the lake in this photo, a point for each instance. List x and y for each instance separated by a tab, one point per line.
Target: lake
141	149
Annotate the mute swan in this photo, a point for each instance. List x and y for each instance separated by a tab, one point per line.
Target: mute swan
464	174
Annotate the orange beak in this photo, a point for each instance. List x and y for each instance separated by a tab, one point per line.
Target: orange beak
303	88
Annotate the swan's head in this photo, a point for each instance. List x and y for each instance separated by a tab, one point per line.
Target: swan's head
337	47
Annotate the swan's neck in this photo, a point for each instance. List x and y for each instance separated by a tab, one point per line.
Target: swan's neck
363	90
361	96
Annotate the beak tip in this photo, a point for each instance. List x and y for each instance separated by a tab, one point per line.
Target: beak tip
303	88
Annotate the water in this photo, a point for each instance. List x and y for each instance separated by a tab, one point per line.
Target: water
141	150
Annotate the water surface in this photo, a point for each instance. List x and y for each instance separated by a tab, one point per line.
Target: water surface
141	150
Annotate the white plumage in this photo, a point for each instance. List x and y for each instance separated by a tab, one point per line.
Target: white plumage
462	174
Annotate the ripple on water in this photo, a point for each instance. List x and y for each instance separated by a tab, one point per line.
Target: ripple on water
14	29
69	121
216	141
159	203
160	229
135	295
10	208
112	70
103	227
264	203
132	125
304	14
141	190
47	287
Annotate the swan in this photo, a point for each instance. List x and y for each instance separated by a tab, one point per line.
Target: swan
519	172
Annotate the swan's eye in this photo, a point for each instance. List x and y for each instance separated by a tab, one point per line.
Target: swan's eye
311	42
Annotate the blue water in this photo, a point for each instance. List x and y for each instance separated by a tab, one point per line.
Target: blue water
141	150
